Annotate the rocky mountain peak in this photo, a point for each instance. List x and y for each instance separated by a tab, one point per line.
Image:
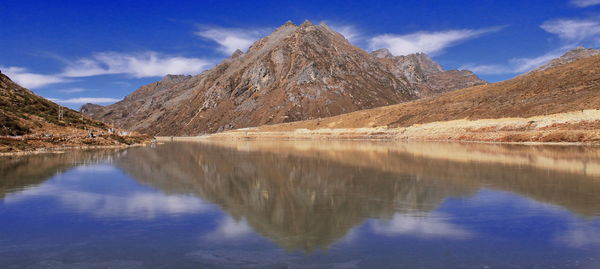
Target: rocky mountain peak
90	109
425	62
307	23
295	73
287	25
570	56
424	74
382	53
236	53
175	78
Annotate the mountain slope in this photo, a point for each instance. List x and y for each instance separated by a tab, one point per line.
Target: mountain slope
22	111
569	57
425	74
296	73
573	89
137	109
28	121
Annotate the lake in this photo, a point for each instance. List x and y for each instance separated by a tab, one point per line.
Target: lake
302	204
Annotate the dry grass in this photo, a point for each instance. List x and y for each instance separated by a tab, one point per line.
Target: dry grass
576	126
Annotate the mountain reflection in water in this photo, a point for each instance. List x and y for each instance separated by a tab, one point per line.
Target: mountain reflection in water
308	196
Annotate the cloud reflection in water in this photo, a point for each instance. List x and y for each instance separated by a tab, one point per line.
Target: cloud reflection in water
427	225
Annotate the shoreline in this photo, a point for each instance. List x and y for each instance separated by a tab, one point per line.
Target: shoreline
263	139
570	128
60	150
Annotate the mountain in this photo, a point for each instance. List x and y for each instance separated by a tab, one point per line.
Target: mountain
136	109
428	76
569	57
90	109
553	105
298	72
28	121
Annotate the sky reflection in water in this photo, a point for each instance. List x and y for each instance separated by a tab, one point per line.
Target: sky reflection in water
303	204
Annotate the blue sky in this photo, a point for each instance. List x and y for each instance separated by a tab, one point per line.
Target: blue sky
99	51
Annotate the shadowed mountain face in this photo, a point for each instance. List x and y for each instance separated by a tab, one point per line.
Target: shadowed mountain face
296	73
307	196
23	112
29	122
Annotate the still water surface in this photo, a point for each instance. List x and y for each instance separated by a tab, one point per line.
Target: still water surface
303	205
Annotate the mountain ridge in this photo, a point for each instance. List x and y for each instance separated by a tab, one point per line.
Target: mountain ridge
297	72
569	57
558	104
426	74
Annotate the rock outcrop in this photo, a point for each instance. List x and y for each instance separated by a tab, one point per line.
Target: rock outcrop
91	109
298	72
426	76
569	57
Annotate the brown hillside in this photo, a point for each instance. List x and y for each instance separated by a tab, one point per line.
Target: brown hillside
22	111
565	88
29	121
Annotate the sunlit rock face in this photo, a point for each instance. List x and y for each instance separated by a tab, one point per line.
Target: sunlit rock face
426	77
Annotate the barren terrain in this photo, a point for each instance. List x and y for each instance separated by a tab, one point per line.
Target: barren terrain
559	104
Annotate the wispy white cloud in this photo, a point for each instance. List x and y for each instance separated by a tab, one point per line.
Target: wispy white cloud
72	90
515	65
348	31
231	39
575	31
487	69
570	33
85	100
585	3
27	79
143	64
427	42
134	205
581	234
229	228
526	64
